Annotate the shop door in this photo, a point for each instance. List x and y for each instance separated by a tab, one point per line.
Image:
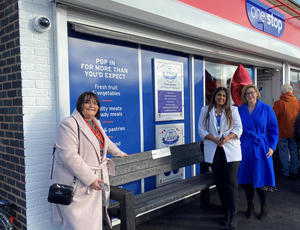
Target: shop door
269	82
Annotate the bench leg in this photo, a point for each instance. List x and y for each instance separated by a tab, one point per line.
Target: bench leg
205	197
127	213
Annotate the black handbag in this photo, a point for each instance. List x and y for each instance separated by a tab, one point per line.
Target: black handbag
61	193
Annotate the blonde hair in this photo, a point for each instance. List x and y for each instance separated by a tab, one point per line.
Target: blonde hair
244	90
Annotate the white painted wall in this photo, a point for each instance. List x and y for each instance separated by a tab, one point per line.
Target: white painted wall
39	108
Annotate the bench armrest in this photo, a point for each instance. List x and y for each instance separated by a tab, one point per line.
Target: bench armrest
118	194
126	211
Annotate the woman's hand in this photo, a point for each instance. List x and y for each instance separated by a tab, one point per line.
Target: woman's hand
270	153
216	140
212	138
95	185
223	140
125	155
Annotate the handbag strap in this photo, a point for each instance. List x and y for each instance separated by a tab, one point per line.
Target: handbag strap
54	148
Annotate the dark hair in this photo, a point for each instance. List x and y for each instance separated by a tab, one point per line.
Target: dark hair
84	97
226	106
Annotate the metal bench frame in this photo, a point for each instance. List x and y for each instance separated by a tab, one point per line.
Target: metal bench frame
142	165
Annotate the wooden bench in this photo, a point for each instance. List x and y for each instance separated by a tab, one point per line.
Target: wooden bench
142	165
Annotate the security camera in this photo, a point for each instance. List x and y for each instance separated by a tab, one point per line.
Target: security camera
41	23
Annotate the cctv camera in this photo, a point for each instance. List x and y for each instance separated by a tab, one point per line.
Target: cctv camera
41	23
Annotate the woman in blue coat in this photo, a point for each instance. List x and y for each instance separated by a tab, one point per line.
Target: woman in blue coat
220	126
258	141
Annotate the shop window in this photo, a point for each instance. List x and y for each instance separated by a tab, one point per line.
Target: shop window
295	82
219	74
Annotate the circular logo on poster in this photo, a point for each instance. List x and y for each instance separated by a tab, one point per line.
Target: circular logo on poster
171	137
170	73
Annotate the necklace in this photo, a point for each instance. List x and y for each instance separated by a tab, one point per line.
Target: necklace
218	118
218	113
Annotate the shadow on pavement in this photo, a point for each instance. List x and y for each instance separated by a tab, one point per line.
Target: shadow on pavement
283	212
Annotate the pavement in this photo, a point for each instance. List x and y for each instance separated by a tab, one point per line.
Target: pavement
283	212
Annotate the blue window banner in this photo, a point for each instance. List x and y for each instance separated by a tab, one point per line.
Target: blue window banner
149	54
265	18
110	70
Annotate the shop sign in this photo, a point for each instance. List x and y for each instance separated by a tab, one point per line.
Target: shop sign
265	18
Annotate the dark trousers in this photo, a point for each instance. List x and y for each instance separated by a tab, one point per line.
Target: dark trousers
225	175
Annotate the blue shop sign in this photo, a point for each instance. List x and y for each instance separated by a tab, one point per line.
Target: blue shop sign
265	18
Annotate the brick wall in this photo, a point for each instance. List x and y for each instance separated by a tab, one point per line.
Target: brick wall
12	165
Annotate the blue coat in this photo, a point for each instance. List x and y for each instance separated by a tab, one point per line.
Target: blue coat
260	132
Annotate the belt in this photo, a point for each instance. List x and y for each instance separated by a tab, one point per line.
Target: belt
111	170
258	140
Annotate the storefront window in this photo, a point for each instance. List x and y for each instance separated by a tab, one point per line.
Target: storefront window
218	74
295	82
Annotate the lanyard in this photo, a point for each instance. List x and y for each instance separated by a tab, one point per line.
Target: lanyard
96	132
218	117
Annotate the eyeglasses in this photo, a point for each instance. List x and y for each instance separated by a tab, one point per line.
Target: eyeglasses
91	102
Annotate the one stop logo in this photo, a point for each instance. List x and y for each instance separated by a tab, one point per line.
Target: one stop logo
264	18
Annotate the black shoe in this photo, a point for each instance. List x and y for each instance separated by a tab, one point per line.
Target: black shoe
250	210
233	221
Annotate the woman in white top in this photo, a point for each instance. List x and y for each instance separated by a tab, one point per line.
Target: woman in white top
220	126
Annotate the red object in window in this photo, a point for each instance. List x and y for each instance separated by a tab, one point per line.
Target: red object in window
239	80
210	86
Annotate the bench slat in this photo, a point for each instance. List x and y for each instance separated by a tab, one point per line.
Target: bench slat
149	171
147	155
170	192
196	182
139	166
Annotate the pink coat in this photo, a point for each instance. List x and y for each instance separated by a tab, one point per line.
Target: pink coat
85	211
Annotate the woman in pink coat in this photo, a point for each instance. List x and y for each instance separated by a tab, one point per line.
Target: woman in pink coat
81	149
